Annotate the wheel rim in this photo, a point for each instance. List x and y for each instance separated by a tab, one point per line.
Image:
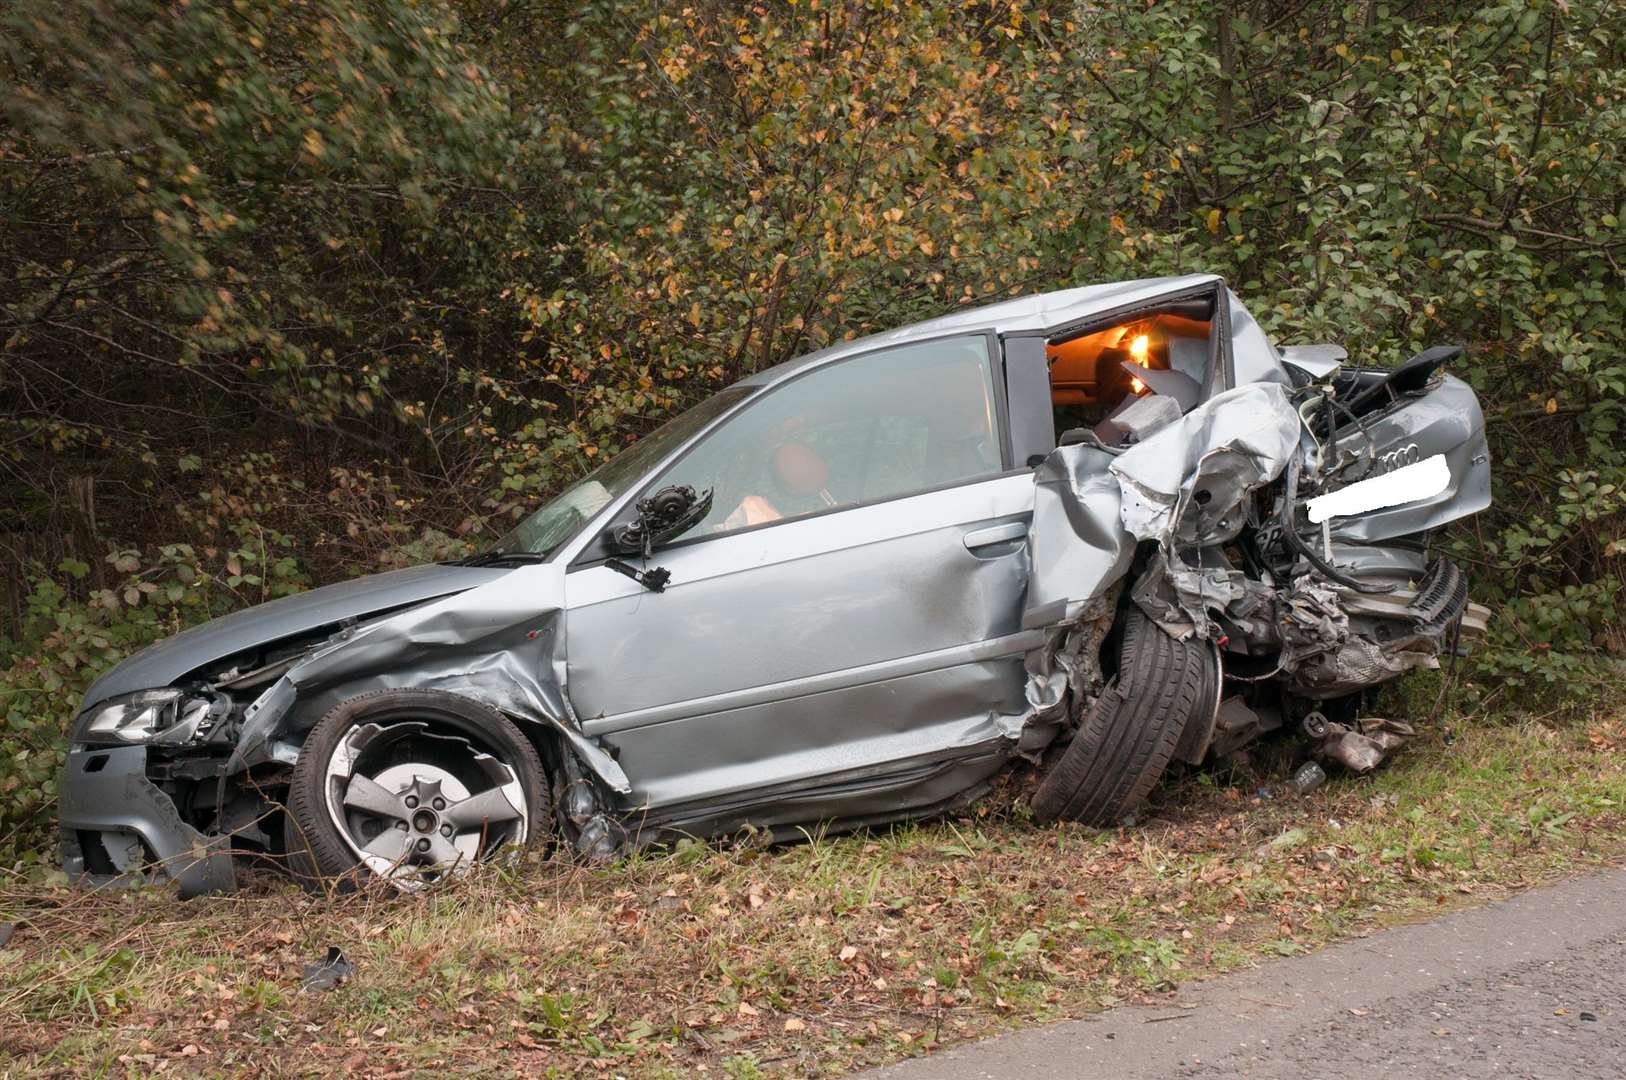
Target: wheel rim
415	802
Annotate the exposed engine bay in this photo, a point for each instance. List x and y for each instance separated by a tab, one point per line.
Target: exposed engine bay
1304	610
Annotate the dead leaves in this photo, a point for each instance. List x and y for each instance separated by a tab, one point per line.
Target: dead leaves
810	954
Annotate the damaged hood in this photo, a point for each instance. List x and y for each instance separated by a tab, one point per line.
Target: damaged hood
168	660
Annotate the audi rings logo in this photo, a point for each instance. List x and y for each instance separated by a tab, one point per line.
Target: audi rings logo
1399	457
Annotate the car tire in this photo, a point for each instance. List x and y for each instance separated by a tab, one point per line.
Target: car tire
1130	732
466	784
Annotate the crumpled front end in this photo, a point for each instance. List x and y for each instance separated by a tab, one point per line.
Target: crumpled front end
1209	513
170	784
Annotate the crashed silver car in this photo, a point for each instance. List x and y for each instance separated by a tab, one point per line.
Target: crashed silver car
1101	530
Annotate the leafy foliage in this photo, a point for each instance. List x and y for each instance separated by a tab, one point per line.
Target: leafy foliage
371	278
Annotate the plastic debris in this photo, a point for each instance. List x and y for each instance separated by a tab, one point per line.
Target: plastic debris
1307	777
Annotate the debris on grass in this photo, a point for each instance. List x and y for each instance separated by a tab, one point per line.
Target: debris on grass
327	973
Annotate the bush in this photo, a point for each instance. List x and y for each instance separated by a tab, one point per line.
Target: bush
377	276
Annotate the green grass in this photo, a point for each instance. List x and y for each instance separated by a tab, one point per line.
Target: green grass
809	959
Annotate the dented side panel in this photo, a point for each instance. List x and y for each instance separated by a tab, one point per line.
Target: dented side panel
872	635
1078	543
501	643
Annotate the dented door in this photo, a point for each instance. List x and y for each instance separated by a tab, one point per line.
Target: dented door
803	641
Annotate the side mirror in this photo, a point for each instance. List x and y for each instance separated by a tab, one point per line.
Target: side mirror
662	517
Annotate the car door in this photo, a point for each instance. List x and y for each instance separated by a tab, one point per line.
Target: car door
852	602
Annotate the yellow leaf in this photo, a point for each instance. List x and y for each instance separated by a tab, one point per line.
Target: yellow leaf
1214	220
1552	406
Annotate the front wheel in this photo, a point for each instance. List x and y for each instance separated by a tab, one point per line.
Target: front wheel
1132	730
409	786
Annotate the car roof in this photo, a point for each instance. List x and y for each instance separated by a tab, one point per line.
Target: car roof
1039	312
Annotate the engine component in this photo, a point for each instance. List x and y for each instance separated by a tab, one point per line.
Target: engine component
1362	748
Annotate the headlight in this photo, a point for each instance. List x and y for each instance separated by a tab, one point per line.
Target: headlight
143	716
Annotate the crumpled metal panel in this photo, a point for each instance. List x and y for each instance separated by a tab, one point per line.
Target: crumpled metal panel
1445	420
1178	597
1076	543
173	658
502	643
1078	552
1066	668
1184	485
1253	358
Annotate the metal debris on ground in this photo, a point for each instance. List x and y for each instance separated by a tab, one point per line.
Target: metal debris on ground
328	973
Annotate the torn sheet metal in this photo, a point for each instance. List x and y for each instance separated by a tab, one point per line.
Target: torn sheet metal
1076	545
501	643
1078	553
1353	664
1065	669
1185	484
1179	597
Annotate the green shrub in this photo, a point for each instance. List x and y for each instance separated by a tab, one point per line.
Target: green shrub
377	276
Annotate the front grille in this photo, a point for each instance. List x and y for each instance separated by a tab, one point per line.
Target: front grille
1441	597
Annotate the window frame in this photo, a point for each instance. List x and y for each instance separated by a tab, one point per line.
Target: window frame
1219	376
592	553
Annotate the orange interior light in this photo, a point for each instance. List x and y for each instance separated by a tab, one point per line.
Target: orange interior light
1139	350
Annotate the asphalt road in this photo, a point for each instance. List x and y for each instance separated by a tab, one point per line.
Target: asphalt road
1528	987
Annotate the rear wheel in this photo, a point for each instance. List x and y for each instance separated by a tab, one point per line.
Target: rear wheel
1129	734
409	786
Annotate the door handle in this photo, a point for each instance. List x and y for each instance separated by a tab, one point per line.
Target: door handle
996	534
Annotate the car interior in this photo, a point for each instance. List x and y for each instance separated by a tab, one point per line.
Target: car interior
1102	377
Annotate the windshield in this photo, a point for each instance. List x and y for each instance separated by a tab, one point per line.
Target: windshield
556	522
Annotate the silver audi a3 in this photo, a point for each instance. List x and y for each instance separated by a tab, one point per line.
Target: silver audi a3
1100	530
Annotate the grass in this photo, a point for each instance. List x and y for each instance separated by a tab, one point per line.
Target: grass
810	959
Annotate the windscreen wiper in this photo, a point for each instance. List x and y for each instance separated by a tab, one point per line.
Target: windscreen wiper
492	558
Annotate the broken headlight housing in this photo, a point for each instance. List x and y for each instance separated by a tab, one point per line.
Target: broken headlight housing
170	715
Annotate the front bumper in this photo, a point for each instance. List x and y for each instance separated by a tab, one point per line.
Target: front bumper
107	800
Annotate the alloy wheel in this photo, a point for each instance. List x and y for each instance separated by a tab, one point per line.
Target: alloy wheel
414	803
